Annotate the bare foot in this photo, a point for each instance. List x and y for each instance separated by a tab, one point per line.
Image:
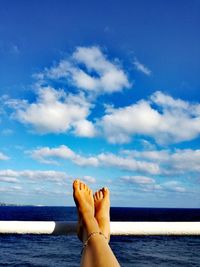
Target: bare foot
85	205
102	210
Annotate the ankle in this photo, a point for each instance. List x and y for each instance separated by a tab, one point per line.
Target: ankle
91	225
91	238
88	215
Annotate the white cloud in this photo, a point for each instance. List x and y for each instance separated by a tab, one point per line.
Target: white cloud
14	176
89	70
150	155
56	72
121	123
184	160
48	155
174	186
167	101
7	179
10	189
141	180
177	162
13	103
3	156
129	164
62	152
163	163
53	176
56	112
84	128
167	123
148	184
141	67
88	179
39	178
161	117
144	183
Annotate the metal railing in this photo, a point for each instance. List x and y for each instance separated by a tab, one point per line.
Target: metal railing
117	228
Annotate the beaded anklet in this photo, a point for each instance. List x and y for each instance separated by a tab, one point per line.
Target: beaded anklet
90	235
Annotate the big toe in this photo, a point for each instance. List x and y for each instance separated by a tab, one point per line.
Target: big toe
106	192
76	184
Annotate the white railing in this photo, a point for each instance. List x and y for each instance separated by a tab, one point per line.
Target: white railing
117	228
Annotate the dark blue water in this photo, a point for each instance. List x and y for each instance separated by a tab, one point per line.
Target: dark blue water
61	251
46	213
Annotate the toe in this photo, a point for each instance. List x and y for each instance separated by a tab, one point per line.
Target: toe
76	184
87	188
100	194
81	186
95	196
106	191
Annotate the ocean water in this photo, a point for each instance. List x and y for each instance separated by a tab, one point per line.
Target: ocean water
61	251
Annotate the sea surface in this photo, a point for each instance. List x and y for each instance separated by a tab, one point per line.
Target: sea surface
62	251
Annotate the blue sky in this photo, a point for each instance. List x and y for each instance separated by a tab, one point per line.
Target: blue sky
105	91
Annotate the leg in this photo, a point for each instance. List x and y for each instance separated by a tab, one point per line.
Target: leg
97	253
102	210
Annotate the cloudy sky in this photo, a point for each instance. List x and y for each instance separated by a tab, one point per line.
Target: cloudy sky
107	91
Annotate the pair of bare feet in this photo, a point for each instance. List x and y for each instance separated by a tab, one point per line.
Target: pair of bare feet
93	210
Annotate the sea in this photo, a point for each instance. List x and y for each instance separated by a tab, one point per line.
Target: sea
62	251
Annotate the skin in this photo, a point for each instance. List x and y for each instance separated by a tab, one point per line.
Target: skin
93	214
102	210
